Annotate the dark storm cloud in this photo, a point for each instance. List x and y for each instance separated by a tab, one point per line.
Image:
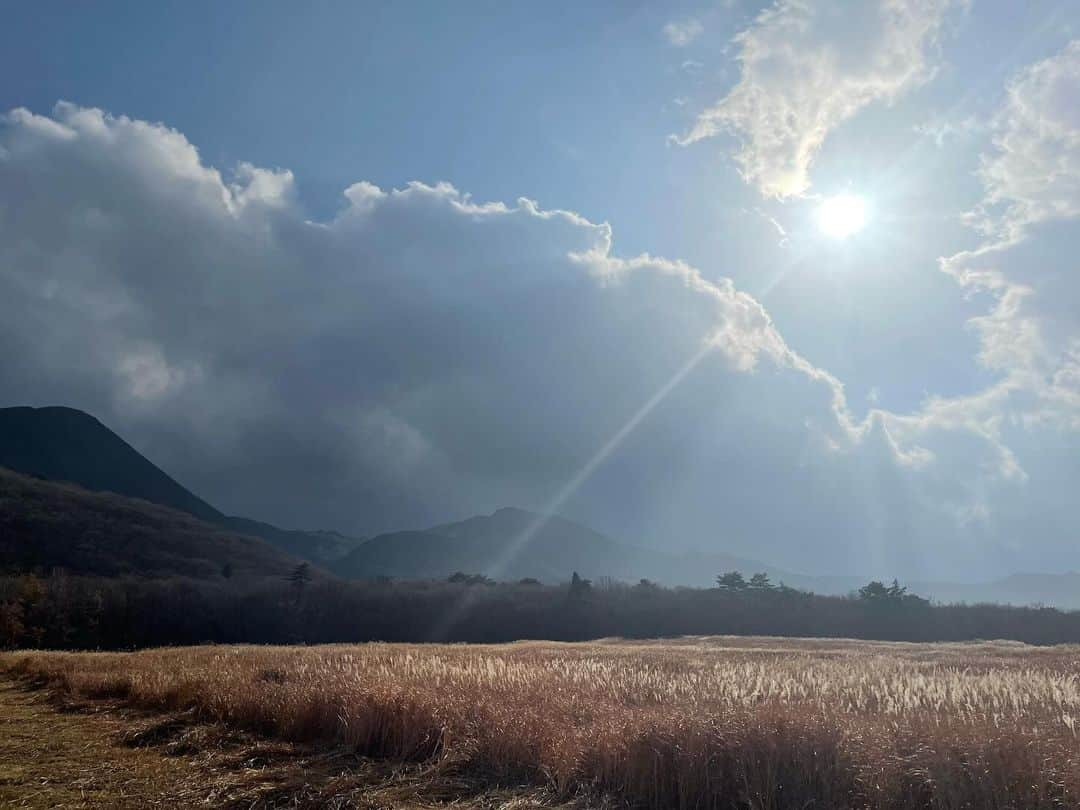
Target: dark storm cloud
422	356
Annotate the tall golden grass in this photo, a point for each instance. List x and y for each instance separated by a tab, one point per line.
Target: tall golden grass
691	723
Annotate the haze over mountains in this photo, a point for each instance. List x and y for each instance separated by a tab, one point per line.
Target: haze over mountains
68	445
514	544
65	444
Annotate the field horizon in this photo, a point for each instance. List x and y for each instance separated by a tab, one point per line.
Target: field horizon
724	722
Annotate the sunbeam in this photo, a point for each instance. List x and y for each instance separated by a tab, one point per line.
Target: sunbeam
580	477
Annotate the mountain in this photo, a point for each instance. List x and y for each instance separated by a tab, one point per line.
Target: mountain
66	444
318	546
488	545
514	544
46	525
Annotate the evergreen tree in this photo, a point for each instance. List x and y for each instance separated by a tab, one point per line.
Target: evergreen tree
299	577
760	582
731	581
579	587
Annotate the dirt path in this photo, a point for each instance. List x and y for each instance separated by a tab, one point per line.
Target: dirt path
54	759
78	759
102	755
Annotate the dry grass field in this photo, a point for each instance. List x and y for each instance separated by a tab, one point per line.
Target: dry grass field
688	723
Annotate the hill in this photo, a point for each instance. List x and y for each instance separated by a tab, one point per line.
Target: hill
514	543
318	546
501	546
46	525
66	444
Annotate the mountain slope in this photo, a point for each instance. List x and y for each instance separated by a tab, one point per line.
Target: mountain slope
316	546
66	444
46	525
508	545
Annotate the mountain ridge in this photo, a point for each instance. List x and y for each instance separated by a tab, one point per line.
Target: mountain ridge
514	543
61	443
66	444
50	525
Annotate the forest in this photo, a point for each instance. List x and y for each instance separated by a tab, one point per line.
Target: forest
62	611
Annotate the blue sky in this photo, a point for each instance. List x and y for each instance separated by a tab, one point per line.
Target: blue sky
581	108
572	107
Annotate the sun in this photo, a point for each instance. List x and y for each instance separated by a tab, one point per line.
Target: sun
842	215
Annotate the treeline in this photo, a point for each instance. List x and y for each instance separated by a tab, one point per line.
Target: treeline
61	611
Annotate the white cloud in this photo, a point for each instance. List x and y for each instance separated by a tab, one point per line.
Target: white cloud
681	33
942	131
1031	177
422	356
148	375
1033	174
806	67
1030	335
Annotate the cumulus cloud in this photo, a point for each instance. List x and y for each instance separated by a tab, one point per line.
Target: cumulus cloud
1030	335
422	356
1033	173
1031	176
681	33
806	67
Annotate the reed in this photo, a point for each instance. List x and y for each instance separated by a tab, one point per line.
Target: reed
690	723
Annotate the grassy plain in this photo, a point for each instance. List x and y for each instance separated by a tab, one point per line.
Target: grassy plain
695	722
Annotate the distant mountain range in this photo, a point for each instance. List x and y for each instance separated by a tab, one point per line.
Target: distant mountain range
513	544
64	444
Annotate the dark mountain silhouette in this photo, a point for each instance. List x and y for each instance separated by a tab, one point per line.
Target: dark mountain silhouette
66	444
46	525
514	543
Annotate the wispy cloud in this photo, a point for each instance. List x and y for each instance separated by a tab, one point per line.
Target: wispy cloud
806	67
681	33
942	131
1034	171
1031	177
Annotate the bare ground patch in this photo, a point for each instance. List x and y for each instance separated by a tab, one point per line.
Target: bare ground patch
58	753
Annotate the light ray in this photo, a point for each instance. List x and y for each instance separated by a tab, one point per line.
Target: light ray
567	491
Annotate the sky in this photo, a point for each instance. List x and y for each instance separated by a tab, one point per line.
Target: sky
379	266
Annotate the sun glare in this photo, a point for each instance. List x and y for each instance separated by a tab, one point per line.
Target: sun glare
842	215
